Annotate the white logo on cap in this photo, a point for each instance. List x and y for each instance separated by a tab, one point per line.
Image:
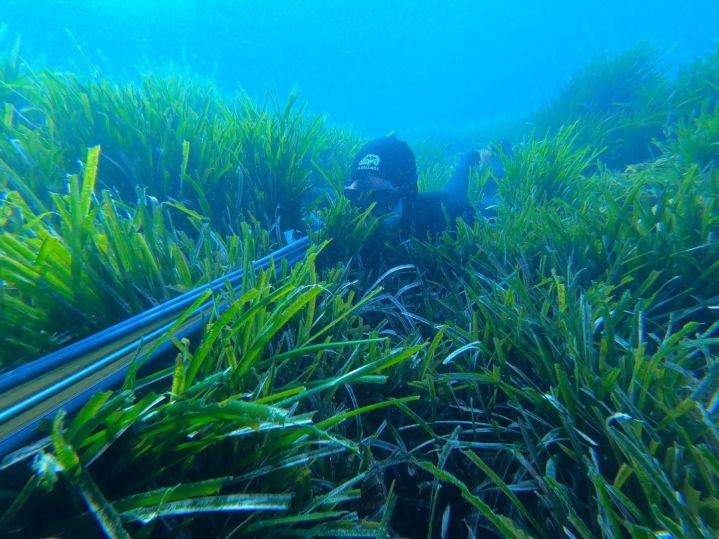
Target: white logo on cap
369	162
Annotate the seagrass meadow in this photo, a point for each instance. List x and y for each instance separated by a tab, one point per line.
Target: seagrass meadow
551	371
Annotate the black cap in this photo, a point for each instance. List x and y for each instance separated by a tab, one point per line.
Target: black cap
387	158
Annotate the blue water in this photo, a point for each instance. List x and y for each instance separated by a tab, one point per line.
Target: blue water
416	67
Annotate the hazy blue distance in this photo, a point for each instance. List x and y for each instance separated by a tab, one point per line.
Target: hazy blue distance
378	65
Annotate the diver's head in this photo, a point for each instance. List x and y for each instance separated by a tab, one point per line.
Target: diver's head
384	172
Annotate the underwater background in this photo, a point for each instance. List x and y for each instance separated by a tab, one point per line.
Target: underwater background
418	67
549	368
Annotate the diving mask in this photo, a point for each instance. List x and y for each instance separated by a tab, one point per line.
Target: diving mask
385	200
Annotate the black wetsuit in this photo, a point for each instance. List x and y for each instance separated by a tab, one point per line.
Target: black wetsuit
438	211
434	212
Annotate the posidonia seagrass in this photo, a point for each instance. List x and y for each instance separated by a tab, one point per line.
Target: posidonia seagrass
548	371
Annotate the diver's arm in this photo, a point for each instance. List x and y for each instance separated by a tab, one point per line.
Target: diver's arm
458	185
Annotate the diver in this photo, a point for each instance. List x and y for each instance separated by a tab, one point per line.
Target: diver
384	172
